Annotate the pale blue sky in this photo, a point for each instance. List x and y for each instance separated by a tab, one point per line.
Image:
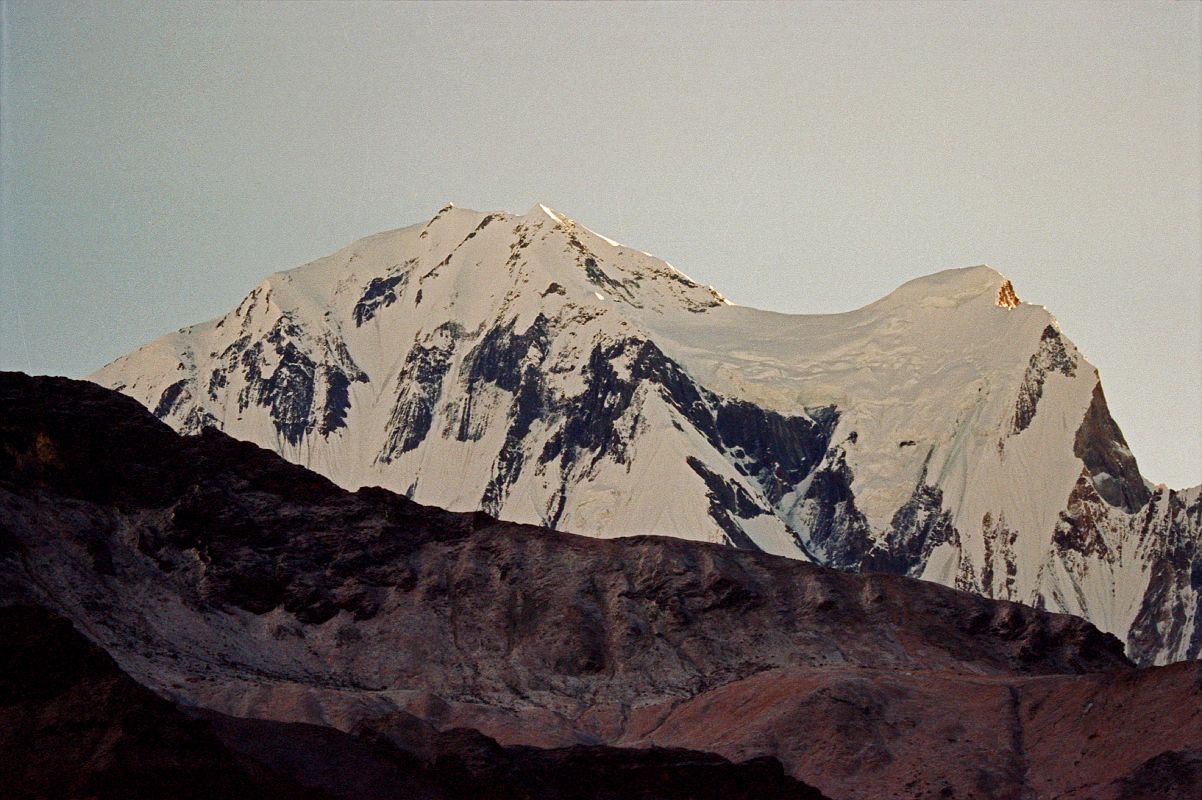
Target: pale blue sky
159	160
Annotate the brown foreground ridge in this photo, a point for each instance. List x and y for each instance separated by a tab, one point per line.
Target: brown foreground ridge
73	725
291	618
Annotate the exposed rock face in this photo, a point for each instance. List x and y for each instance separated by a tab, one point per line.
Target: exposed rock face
74	725
1101	447
1168	776
222	576
1052	356
1171	607
1006	298
419	384
532	369
873	734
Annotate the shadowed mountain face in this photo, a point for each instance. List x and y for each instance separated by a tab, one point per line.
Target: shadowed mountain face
527	367
223	577
73	725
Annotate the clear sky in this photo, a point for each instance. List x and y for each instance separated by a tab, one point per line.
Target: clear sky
159	160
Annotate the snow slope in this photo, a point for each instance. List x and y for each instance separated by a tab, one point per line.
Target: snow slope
529	367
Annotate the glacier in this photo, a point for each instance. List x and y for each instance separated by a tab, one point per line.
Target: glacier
528	367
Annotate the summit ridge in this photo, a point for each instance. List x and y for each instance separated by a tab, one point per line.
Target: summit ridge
528	367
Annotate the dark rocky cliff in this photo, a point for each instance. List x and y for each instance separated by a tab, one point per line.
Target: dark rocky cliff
222	576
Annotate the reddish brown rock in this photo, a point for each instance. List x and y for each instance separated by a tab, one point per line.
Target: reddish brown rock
224	577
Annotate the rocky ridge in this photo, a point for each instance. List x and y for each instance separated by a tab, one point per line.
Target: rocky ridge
532	369
229	580
74	725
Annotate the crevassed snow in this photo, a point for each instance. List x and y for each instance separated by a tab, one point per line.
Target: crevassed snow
886	366
925	381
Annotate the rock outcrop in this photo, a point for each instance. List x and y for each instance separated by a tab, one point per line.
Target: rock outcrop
529	368
229	580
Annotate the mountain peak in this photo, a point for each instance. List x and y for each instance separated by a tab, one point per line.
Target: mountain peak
449	210
1006	298
541	208
542	211
527	367
954	287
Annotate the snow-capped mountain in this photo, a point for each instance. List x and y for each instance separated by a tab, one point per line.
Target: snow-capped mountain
528	367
